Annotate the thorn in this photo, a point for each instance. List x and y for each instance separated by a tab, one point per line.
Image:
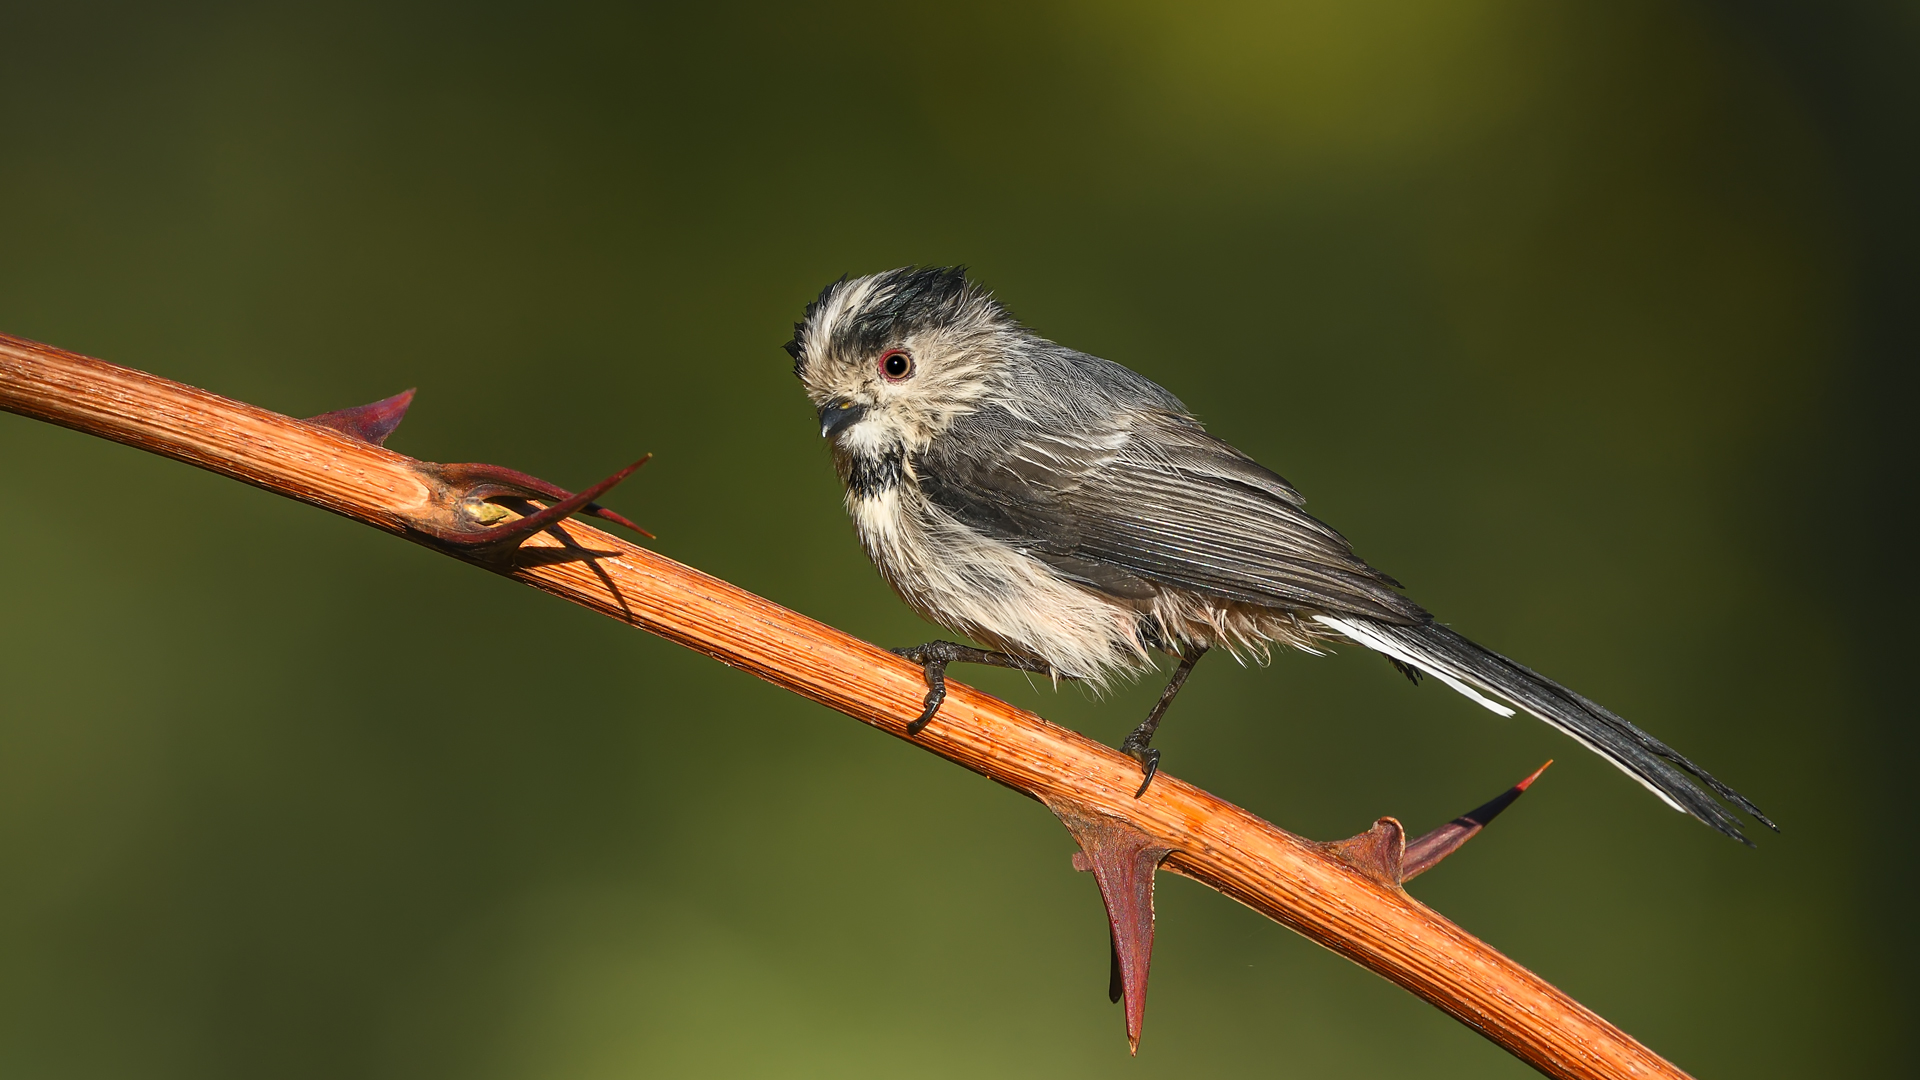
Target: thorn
492	481
368	423
1528	782
1425	853
1122	859
477	483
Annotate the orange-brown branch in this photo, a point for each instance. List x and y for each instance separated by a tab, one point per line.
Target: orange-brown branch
1345	897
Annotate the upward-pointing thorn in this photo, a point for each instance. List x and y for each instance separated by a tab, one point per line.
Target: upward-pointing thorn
1384	854
368	423
1423	854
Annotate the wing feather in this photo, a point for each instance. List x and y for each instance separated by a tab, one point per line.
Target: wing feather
1151	496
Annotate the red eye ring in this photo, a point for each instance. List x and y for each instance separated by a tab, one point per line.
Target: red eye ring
896	365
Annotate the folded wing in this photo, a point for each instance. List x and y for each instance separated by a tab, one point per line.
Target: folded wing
1149	498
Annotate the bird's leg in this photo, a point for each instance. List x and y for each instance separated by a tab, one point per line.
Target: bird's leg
1135	744
934	657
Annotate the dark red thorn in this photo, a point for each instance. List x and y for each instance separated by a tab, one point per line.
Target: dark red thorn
482	482
1123	860
1425	853
1383	853
368	423
491	481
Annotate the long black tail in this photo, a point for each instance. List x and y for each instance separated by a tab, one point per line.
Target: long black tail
1468	668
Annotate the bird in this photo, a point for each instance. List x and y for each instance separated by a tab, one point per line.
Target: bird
1076	517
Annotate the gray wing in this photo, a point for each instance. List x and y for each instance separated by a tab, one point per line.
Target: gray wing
1146	499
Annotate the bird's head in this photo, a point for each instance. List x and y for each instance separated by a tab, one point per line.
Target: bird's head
891	359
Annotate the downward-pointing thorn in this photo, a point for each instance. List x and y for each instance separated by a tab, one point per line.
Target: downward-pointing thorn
1122	859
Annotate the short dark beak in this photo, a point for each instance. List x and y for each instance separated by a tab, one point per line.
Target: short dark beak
839	413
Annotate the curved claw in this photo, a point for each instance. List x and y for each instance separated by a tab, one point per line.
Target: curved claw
1150	765
936	675
933	709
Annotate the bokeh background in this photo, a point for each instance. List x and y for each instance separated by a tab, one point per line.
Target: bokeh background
1589	322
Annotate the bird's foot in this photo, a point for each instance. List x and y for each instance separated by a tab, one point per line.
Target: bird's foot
933	658
1135	744
1147	756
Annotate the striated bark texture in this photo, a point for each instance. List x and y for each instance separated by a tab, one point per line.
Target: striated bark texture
1345	896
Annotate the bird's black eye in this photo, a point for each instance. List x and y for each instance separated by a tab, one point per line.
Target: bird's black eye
896	365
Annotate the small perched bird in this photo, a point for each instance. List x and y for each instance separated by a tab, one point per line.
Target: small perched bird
1075	516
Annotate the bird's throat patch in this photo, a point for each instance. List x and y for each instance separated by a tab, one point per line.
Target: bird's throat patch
869	476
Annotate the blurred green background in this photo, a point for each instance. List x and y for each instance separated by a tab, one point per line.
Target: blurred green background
1586	321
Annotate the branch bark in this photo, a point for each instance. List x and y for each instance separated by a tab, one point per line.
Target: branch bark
1344	896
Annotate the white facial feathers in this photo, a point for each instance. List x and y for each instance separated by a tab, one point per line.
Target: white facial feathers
953	336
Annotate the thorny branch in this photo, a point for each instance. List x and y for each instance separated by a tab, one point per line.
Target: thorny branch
1345	895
